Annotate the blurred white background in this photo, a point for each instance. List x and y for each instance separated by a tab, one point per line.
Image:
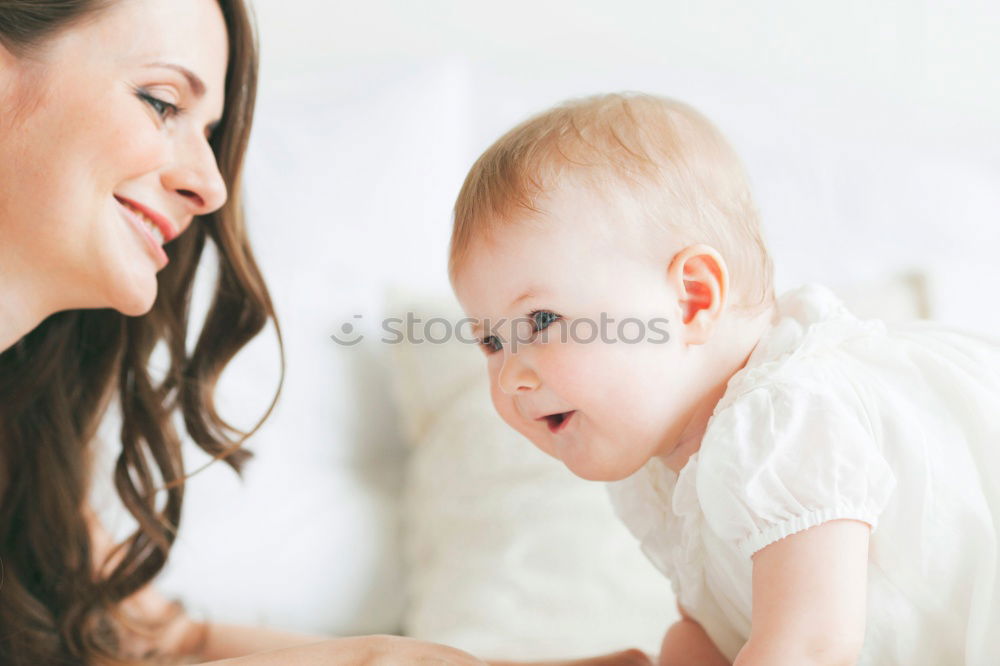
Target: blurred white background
882	116
922	52
871	131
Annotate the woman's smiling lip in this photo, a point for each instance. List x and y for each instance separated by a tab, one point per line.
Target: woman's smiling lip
139	225
163	224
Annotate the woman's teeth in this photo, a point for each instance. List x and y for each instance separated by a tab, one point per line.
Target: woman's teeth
153	229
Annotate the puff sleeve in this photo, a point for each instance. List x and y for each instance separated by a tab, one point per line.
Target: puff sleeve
789	455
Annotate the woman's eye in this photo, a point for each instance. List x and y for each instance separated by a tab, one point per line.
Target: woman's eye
163	109
491	344
542	319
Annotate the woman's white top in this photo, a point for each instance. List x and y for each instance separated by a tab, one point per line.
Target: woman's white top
896	425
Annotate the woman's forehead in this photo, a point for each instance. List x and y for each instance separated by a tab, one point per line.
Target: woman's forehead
139	33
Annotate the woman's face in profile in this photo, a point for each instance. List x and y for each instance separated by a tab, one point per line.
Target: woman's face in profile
105	133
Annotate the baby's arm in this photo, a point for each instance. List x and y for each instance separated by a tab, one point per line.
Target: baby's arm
809	595
686	643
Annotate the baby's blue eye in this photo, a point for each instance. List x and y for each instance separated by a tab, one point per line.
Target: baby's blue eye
491	344
543	318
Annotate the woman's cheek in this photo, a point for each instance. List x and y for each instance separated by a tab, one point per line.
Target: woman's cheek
141	149
132	141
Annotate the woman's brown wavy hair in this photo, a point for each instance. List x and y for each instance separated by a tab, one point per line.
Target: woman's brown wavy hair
56	382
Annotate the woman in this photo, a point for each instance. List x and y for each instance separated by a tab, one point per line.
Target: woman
123	126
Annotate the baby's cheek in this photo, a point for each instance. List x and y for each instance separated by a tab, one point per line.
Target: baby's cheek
503	405
574	367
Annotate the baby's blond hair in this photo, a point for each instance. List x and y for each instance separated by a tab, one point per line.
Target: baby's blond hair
692	183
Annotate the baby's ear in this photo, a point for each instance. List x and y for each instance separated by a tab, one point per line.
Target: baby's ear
700	278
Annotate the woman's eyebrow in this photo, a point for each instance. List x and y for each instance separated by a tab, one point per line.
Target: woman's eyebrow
196	84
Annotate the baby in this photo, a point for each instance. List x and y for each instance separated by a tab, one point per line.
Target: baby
819	489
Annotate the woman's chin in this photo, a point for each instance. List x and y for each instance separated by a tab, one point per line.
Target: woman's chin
135	297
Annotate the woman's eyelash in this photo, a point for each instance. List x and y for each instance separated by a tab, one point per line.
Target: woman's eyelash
163	109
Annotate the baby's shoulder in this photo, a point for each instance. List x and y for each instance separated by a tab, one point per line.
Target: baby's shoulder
783	392
789	454
808	418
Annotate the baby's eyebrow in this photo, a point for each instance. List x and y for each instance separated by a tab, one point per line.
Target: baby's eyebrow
478	328
530	292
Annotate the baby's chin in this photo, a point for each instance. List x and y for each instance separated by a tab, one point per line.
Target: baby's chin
603	474
585	460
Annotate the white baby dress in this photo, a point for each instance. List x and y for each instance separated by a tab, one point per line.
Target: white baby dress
897	425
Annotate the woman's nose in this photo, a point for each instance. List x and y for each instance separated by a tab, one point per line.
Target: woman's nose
195	176
516	376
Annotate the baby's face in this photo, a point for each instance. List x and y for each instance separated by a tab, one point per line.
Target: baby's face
582	336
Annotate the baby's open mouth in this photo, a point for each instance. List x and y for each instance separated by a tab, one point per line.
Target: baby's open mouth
557	422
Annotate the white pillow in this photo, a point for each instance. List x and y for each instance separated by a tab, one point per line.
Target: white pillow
508	555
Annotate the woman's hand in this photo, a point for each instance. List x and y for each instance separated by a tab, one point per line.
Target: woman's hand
632	657
176	631
376	650
154	624
393	650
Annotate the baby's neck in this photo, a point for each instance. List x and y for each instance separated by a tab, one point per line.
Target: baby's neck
728	356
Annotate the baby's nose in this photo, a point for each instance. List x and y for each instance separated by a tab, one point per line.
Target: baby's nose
517	376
